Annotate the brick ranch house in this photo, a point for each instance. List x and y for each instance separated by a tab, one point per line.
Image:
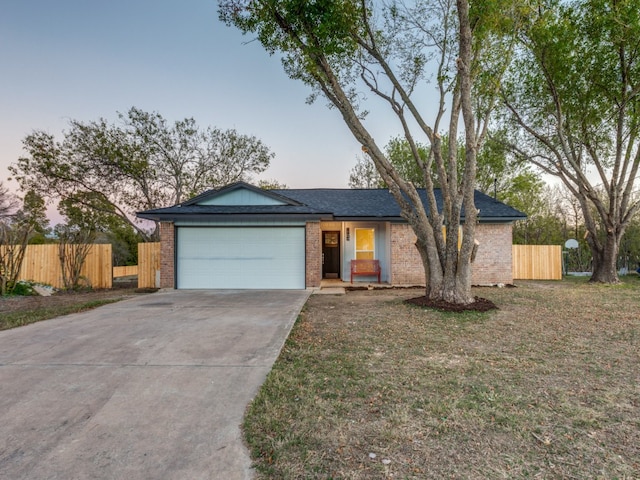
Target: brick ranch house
243	237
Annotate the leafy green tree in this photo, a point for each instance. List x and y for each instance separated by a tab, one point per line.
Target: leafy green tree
504	175
34	215
572	106
341	47
271	184
80	211
124	241
364	174
400	155
8	202
83	211
546	222
498	172
143	162
75	238
630	246
398	152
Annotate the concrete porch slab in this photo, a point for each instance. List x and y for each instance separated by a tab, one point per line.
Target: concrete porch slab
329	291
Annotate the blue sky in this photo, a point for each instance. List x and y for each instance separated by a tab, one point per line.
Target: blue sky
84	59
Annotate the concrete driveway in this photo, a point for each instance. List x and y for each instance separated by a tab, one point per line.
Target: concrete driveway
149	388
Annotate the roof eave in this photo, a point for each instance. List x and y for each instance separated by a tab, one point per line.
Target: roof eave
212	217
352	218
500	219
327	216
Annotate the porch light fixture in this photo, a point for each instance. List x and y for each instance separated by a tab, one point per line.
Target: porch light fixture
348	234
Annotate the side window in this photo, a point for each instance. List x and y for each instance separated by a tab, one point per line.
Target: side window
365	246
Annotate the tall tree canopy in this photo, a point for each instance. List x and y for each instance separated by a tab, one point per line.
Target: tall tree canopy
499	173
140	163
34	214
399	154
394	50
8	202
572	100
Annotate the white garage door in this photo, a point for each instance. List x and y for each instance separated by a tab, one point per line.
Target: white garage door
241	257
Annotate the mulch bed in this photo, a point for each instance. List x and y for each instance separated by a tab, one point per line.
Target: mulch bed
480	305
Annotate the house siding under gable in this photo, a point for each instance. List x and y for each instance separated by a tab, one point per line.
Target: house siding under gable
241	197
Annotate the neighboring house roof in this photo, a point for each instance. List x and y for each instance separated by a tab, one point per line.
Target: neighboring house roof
241	200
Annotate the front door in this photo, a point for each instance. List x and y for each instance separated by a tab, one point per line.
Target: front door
330	254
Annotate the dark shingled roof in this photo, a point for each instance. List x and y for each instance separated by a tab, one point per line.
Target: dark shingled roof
379	203
325	203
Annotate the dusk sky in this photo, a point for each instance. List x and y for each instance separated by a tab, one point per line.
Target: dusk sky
80	59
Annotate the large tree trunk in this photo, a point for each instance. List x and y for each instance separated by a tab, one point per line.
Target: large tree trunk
604	252
604	260
453	285
457	288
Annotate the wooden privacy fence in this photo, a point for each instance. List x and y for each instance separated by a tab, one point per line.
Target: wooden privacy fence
148	268
125	271
149	265
42	264
537	262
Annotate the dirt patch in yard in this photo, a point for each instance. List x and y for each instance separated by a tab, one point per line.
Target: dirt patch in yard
33	302
17	311
369	387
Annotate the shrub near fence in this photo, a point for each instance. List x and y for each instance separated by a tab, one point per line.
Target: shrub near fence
42	264
537	262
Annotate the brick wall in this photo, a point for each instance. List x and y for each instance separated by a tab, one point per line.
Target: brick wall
167	255
493	261
406	264
494	258
313	252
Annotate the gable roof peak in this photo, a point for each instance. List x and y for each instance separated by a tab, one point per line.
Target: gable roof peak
210	196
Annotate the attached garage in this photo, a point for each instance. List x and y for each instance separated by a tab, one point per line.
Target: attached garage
240	257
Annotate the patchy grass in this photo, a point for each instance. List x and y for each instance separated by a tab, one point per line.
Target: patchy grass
18	319
17	311
631	280
369	387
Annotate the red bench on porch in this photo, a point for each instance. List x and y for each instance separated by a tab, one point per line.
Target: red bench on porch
365	267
